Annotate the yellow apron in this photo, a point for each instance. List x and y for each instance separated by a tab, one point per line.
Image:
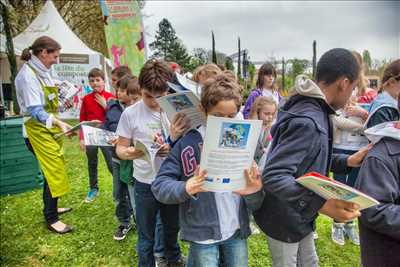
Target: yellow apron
49	151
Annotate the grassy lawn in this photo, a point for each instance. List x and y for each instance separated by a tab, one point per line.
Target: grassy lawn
25	241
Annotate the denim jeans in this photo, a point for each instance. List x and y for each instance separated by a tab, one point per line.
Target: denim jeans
158	243
92	160
302	253
350	178
234	252
123	202
146	220
49	203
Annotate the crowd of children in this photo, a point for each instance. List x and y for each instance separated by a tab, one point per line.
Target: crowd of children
167	198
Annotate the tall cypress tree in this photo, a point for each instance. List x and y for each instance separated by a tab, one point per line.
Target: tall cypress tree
214	53
239	72
314	59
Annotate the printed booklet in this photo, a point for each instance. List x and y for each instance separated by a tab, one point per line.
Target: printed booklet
97	137
94	123
228	149
386	129
185	102
329	188
150	152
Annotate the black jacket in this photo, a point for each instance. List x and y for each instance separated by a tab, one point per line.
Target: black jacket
379	226
302	142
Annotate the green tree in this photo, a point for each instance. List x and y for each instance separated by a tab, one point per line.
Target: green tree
367	59
168	46
229	64
298	66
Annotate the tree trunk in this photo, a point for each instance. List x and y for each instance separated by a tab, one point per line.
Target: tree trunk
214	53
314	59
10	53
239	72
283	74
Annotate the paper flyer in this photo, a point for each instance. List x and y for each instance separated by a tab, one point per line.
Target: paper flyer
185	102
76	127
97	137
329	188
388	129
228	149
149	152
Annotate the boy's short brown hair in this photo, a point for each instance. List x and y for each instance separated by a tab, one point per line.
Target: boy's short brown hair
220	88
133	87
154	76
121	71
96	72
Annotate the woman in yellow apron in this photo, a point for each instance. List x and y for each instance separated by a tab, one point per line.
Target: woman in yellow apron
37	97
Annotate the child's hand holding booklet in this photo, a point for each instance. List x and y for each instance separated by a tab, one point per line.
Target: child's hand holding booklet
331	189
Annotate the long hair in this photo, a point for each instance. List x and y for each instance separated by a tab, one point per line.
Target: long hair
266	69
40	44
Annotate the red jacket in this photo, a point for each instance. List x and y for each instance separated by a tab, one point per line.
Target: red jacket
91	110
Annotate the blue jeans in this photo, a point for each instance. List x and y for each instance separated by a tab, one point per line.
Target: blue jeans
123	203
234	252
146	220
350	178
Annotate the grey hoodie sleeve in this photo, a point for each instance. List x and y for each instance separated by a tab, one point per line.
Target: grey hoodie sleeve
294	144
166	187
378	181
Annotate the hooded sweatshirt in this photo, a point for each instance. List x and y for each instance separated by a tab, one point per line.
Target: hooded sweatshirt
302	143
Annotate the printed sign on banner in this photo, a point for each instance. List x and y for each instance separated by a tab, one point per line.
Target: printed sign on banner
124	33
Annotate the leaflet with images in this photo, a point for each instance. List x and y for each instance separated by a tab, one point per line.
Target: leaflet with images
388	129
185	102
97	137
329	188
150	151
228	149
66	91
94	123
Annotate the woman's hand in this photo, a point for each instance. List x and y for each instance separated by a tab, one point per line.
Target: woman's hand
195	183
253	181
180	124
100	100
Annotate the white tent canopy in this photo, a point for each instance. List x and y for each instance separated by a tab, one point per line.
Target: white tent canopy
49	22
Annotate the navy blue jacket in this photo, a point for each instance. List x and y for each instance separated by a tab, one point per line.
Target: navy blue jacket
198	214
302	142
379	177
113	114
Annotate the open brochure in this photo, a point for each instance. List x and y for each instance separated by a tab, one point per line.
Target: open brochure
66	91
94	123
386	129
329	188
97	137
188	84
228	149
185	102
150	152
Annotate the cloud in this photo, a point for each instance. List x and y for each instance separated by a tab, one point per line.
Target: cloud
282	29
